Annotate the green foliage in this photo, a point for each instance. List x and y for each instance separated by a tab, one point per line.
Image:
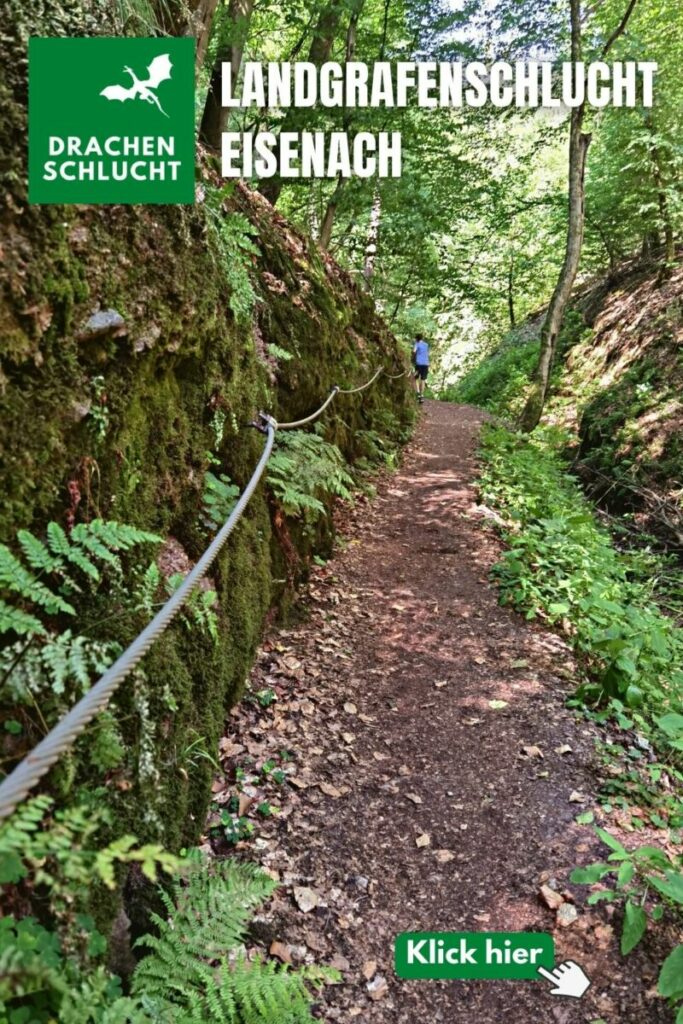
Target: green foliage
633	875
47	668
562	567
304	469
220	498
498	382
44	581
200	607
55	848
232	234
197	969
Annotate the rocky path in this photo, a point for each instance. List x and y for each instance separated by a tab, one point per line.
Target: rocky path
431	773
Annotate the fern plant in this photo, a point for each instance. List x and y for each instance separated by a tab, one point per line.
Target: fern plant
198	971
57	568
44	667
305	468
232	234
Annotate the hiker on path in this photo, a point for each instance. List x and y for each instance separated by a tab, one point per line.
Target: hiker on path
421	364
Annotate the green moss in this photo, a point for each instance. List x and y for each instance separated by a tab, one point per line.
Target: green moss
120	424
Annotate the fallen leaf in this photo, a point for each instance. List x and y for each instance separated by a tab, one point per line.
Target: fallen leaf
339	963
444	856
369	969
329	790
479	660
315	942
306	899
440	683
350	708
414	798
496	704
423	840
533	751
281	951
245	803
519	663
564	749
577	798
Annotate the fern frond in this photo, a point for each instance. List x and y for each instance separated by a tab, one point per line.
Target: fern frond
13	619
38	554
15	577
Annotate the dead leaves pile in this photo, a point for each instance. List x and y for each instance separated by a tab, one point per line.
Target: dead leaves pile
280	766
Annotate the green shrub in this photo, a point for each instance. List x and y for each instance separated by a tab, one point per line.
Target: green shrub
499	382
562	566
196	970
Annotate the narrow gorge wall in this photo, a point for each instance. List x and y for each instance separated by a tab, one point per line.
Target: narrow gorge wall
124	372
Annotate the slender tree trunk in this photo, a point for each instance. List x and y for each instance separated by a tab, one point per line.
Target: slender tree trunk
200	28
373	239
215	117
330	213
320	51
579	141
578	149
664	215
511	295
331	209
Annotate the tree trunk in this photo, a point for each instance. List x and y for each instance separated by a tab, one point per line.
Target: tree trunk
331	209
202	20
578	149
373	239
511	296
330	213
215	116
664	215
319	51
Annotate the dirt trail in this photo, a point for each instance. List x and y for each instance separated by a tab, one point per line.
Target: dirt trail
384	696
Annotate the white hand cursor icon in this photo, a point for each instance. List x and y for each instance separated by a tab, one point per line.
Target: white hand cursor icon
568	979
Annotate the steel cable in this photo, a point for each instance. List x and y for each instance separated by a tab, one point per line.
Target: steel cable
18	784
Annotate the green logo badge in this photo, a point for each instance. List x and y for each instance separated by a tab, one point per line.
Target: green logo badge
111	120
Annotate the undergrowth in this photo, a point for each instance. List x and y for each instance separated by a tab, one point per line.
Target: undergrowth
561	566
197	968
304	469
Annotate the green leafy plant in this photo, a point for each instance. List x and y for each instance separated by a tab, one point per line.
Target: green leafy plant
303	469
219	499
562	567
197	968
232	234
52	571
636	875
200	607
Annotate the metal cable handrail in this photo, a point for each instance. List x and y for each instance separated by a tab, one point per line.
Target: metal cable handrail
31	769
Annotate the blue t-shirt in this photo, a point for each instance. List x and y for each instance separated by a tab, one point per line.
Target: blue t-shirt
421	353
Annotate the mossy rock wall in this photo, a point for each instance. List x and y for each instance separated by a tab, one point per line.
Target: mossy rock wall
122	366
625	380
